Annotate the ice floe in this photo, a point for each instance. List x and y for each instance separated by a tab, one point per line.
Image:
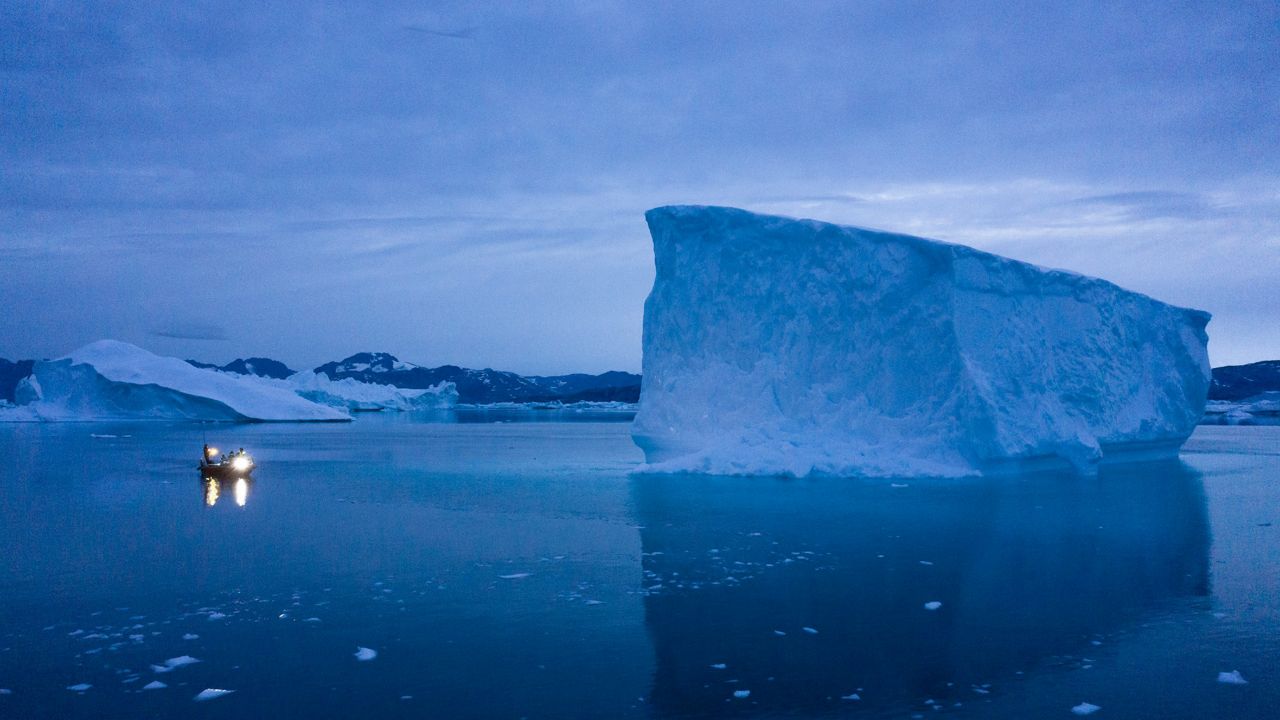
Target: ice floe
154	685
932	605
364	654
1085	708
174	663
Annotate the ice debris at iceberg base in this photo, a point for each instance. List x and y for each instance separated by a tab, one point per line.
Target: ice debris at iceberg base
110	380
775	346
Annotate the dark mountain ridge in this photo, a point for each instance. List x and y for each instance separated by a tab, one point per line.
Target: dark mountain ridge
1237	382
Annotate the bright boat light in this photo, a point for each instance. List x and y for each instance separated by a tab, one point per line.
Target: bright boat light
242	491
241	463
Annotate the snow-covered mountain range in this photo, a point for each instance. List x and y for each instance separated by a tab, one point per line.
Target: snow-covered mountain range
487	385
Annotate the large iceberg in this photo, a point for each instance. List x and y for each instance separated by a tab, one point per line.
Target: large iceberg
110	380
796	347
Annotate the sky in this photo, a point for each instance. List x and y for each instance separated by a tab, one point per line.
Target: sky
465	183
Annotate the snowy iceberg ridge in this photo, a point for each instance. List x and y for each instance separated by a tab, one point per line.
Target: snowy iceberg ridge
110	380
796	347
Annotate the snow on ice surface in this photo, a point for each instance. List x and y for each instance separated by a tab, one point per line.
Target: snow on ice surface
775	346
114	380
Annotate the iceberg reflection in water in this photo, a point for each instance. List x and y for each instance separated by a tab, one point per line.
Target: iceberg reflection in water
809	592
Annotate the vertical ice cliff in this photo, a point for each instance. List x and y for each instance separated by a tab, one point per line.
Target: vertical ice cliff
782	346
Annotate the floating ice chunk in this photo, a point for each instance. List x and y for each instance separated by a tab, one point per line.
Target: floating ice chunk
174	663
312	620
154	685
1232	678
741	694
594	602
211	694
925	562
191	636
775	346
5	691
364	653
932	605
779	633
718	666
1085	708
809	630
851	696
79	687
514	576
216	615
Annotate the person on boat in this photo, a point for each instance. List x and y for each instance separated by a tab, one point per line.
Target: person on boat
204	456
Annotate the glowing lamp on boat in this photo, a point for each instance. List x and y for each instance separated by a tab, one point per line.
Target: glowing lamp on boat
240	464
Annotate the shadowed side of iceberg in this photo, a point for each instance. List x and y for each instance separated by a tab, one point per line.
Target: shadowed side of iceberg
795	347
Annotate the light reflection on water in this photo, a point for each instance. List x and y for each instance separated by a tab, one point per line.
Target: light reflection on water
213	488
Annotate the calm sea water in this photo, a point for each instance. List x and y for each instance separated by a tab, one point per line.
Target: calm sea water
515	569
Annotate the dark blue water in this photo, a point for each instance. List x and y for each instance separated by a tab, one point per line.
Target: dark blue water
515	569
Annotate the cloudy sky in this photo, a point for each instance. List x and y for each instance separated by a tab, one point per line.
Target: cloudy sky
466	184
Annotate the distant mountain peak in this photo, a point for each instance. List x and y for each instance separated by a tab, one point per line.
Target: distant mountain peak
262	367
363	362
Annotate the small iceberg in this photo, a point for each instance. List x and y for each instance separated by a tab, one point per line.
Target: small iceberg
80	687
1085	708
932	605
154	685
1232	678
364	654
742	694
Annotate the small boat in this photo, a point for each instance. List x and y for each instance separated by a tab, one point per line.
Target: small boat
238	464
